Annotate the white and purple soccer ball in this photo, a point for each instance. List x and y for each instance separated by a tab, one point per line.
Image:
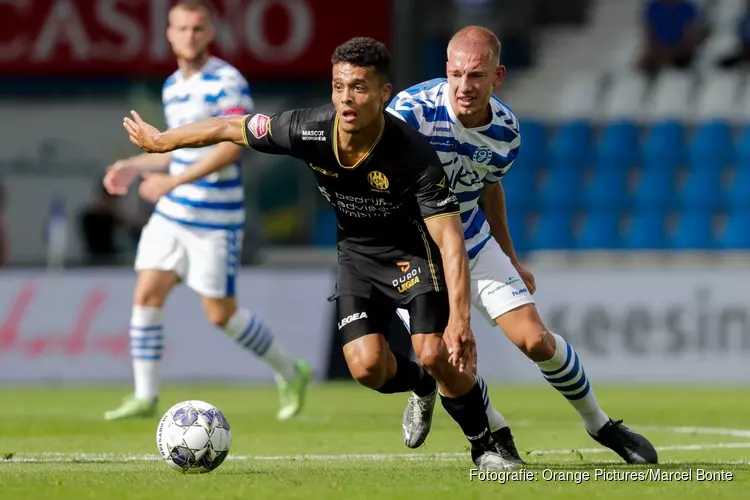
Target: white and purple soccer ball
193	437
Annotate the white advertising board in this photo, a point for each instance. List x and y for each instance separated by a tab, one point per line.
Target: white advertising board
73	326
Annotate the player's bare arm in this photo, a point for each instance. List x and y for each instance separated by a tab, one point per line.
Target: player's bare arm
193	135
121	174
447	232
492	202
154	186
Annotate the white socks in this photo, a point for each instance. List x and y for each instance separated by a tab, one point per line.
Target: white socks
251	332
564	371
146	346
495	418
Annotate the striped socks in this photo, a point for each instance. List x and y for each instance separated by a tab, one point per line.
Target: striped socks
494	417
146	346
564	371
250	331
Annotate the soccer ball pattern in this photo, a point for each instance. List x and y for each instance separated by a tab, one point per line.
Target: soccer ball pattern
193	437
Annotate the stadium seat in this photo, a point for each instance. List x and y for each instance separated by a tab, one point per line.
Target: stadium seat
533	143
618	145
736	233
325	228
711	145
665	144
623	99
553	232
737	196
655	188
671	97
743	148
647	231
601	231
571	145
519	184
607	190
701	190
561	189
693	231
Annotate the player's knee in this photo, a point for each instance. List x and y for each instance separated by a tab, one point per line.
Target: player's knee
219	311
538	343
370	371
432	354
149	297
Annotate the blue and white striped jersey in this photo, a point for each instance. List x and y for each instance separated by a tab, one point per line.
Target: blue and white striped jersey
471	157
217	200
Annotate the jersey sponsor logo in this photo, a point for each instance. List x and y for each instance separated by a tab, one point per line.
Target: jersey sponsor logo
351	318
463	177
450	199
324	171
258	125
409	279
509	282
521	291
378	180
482	155
313	135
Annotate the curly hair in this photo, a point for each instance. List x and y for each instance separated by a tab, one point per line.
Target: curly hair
365	53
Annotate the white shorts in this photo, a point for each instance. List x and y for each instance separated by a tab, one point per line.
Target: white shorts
496	286
207	260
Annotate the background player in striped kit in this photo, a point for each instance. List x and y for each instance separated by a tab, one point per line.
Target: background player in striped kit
477	138
195	233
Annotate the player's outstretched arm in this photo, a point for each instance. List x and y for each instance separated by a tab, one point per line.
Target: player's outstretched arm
193	135
447	232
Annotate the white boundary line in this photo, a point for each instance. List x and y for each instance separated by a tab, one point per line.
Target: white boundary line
113	458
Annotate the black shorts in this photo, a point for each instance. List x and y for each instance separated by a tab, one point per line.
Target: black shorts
357	316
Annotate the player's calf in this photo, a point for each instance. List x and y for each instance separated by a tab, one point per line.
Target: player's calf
463	398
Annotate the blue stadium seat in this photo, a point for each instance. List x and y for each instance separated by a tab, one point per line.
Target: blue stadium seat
647	231
702	189
743	148
519	184
554	231
601	231
693	231
618	145
607	190
572	145
533	143
737	195
561	189
711	145
325	228
655	188
665	144
736	234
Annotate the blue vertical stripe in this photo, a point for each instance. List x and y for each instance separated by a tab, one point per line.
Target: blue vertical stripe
232	267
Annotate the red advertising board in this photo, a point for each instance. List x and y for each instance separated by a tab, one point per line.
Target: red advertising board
262	38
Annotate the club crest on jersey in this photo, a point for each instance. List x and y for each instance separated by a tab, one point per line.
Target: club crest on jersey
258	125
482	155
378	180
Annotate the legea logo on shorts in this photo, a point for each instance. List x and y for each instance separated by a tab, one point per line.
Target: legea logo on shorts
351	318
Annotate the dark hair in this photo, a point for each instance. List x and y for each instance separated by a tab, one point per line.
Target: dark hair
365	53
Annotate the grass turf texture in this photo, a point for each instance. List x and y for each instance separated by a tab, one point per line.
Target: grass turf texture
347	444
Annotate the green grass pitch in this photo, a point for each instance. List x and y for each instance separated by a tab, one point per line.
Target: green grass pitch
347	444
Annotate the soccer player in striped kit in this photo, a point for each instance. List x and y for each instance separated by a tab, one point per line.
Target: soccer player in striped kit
195	233
477	138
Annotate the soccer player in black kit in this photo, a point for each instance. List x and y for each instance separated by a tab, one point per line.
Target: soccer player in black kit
396	217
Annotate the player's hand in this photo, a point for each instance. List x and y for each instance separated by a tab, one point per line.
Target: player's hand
118	178
155	185
527	277
142	134
462	348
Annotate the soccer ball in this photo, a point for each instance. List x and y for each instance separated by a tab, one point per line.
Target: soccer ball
193	437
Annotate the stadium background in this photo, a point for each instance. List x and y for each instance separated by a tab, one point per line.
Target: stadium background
630	200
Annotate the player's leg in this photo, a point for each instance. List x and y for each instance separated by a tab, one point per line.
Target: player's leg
417	418
368	355
505	298
214	264
159	262
460	393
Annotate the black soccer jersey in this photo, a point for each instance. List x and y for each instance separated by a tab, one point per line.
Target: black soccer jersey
398	184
